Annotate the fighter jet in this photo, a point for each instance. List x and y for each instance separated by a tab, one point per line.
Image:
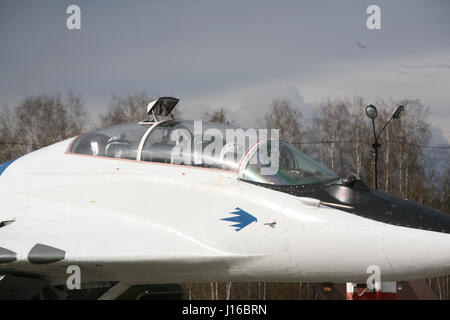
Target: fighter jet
126	205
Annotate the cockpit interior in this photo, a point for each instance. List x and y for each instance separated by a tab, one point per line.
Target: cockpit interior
176	142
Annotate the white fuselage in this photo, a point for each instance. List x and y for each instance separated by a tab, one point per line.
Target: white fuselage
143	222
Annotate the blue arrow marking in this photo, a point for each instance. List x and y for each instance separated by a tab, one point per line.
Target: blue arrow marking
5	165
242	218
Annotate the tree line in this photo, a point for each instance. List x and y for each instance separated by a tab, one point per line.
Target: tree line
339	135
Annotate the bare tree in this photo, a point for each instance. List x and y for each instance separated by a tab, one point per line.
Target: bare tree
218	116
339	136
358	135
39	121
331	134
286	118
131	108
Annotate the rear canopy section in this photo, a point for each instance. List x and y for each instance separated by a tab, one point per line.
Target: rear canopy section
189	143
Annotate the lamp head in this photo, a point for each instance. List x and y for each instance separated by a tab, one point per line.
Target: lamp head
371	111
399	111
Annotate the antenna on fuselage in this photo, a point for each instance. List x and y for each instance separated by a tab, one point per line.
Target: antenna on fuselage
161	107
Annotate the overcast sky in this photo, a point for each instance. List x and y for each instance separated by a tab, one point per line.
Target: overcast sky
233	54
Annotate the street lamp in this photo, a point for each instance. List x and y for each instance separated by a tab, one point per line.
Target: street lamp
371	112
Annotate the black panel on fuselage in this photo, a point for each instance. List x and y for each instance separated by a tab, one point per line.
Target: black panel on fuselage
372	204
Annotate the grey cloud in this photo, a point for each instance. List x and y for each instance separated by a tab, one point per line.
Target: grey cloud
439	157
192	48
253	105
195	111
437	137
205	48
427	66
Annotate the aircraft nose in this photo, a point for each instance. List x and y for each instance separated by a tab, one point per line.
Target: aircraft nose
383	207
421	246
417	253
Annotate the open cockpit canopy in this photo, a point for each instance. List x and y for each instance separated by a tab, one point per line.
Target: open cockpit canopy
206	145
171	142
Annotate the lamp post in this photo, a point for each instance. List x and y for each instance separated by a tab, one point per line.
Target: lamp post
371	112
